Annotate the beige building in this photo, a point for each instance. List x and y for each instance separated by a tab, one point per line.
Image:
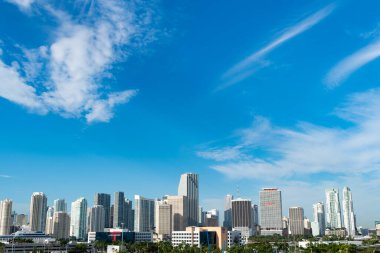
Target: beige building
5	216
163	219
179	211
61	225
38	210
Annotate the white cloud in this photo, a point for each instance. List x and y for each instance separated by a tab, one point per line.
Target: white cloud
340	72
255	61
5	176
68	74
22	4
264	151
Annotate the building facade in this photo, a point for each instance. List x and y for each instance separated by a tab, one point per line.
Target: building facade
227	223
38	210
333	211
189	187
179	211
319	220
163	219
96	219
78	224
144	214
271	211
104	199
348	212
296	221
61	225
5	217
60	205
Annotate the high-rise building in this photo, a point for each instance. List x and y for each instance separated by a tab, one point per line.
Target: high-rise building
60	205
49	221
255	218
227	223
96	218
189	187
5	217
212	218
38	209
61	225
163	219
271	211
104	199
112	210
179	211
319	222
144	214
21	220
78	224
348	212
242	217
333	215
296	221
118	211
129	215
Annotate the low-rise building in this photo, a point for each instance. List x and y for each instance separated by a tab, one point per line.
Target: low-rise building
201	236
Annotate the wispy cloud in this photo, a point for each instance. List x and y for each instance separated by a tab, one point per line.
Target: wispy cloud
255	61
5	176
67	76
22	4
264	151
340	72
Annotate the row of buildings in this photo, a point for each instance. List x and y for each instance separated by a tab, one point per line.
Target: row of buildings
179	217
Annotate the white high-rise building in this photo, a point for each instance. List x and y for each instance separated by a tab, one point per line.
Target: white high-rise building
78	224
38	210
60	205
189	187
348	212
96	219
271	211
5	216
61	225
319	222
49	221
333	214
228	211
144	214
163	219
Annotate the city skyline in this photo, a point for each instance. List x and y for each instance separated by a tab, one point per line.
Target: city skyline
93	101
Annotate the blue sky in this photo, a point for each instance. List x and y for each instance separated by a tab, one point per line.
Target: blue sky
102	96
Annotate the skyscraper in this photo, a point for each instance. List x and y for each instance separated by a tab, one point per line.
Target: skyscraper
49	221
333	215
129	215
348	212
242	217
296	221
78	224
227	223
271	211
189	187
61	225
38	209
319	222
60	205
144	214
163	219
104	199
255	217
179	211
96	219
5	217
118	210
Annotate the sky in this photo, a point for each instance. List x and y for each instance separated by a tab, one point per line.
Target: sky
105	96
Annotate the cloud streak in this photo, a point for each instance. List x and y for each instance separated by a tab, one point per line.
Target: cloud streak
340	72
67	76
255	61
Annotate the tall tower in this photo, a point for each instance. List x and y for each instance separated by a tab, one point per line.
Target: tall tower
179	211
189	187
296	221
271	211
104	199
129	215
60	205
333	216
49	221
228	211
96	219
144	214
319	218
118	211
78	227
61	225
348	212
163	219
5	216
38	209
